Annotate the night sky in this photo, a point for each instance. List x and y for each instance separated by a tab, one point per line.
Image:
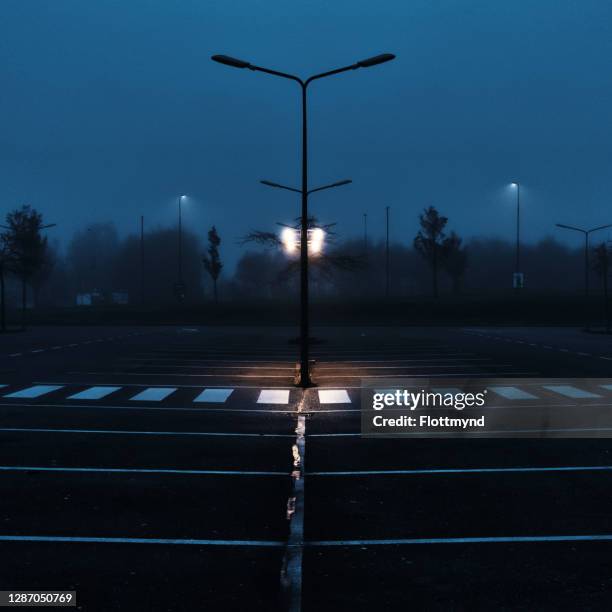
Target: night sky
110	110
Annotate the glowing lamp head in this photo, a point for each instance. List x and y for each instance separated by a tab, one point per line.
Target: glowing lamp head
317	236
289	239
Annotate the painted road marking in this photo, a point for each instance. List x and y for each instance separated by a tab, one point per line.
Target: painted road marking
570	391
334	396
94	393
579	468
153	394
606	387
484	540
35	391
513	393
131	432
36	538
31	468
273	396
214	395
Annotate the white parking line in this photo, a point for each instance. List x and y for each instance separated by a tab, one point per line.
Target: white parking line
130	432
31	468
483	540
176	541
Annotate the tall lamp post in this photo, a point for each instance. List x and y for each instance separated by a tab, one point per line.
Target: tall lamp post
180	287
518	277
303	83
387	255
587	233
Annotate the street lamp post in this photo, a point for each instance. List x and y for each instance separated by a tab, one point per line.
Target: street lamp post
387	255
303	83
365	233
517	265
180	290
586	233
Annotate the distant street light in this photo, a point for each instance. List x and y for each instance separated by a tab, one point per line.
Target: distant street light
304	320
587	233
518	279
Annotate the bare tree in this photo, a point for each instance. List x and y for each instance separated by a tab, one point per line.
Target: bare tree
212	260
27	248
325	263
429	241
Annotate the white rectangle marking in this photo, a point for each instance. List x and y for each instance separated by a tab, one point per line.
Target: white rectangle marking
512	393
94	393
153	394
334	396
273	396
570	391
35	391
217	396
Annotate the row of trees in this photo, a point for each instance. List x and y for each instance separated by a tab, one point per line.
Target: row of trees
98	261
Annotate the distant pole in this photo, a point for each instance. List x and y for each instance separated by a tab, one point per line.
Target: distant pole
365	232
586	233
180	242
518	227
142	261
387	257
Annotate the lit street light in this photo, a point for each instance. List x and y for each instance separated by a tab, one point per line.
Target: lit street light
586	259
518	279
304	321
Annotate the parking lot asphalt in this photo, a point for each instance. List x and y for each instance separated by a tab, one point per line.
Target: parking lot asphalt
179	468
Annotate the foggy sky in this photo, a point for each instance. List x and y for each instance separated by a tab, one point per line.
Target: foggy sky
110	109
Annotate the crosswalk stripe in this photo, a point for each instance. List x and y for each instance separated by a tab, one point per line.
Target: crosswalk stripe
214	395
273	396
570	391
35	391
94	393
606	387
153	394
512	393
334	396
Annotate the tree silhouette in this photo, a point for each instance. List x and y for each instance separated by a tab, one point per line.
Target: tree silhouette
27	248
429	241
212	260
325	262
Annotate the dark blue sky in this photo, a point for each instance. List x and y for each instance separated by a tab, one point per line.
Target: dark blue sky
110	108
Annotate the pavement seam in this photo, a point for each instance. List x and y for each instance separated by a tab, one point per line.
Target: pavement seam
291	572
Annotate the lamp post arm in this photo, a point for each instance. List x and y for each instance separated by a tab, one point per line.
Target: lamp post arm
570	227
284	75
330	73
600	227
